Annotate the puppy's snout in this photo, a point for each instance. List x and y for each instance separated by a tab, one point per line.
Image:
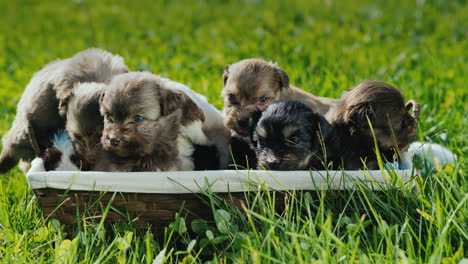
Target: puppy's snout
273	165
114	141
243	122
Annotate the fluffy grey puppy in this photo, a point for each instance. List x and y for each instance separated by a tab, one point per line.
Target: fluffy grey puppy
42	108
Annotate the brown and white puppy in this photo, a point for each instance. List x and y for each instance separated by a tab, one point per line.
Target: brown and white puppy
393	125
84	125
151	125
42	108
251	85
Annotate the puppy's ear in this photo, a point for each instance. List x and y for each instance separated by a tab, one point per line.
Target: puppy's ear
254	118
253	121
320	125
226	74
283	77
101	98
326	129
191	111
63	103
169	101
358	114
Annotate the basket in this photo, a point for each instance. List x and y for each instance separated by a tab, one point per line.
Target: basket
152	199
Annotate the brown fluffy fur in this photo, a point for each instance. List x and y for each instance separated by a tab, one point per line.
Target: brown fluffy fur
246	81
393	125
42	107
150	145
84	123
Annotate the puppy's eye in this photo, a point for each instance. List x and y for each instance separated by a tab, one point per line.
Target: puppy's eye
109	118
294	140
232	99
262	99
138	119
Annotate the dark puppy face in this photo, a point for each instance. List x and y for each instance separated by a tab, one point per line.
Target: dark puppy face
139	114
393	124
84	122
287	136
249	85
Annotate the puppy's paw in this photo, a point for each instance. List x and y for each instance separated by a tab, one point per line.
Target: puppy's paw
7	162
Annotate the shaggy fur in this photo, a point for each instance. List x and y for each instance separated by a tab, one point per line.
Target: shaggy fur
84	123
43	105
60	156
352	144
288	135
152	125
202	125
253	84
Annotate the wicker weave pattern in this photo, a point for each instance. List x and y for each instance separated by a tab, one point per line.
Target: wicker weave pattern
156	211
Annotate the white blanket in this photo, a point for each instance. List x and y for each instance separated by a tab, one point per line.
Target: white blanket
217	181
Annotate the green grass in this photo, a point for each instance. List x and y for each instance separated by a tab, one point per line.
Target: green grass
326	47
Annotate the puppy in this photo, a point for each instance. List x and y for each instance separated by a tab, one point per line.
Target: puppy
59	157
288	135
85	124
253	84
152	124
393	126
42	108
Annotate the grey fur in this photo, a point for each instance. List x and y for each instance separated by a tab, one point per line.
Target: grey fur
42	107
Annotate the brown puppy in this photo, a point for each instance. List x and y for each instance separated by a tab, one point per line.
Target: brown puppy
149	125
84	123
77	147
253	84
353	141
42	107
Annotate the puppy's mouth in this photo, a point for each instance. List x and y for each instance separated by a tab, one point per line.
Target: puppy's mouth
242	131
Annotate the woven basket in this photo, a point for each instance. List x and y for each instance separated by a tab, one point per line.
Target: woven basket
152	199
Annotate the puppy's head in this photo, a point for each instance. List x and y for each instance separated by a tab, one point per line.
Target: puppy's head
139	114
84	122
288	136
249	85
393	124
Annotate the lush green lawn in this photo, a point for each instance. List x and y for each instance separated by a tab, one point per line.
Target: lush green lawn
326	47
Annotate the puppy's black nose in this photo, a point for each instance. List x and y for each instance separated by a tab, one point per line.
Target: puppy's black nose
243	122
114	141
273	165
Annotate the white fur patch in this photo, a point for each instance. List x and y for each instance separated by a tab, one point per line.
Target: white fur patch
186	149
211	131
63	143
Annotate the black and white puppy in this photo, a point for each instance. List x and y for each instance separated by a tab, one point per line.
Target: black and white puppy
288	135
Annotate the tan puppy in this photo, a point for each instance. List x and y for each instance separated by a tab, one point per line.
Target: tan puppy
42	108
393	125
253	84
